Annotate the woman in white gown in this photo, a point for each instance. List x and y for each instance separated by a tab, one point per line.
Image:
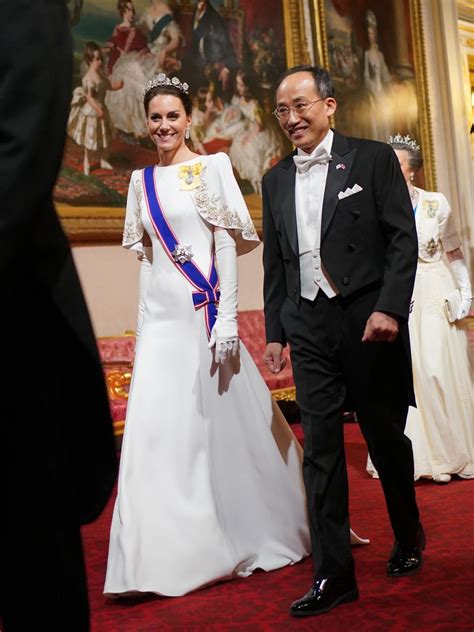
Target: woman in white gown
210	485
441	428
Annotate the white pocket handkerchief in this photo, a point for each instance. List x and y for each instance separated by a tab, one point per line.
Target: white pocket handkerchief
349	191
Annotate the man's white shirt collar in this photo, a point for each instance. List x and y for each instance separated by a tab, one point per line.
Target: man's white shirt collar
326	143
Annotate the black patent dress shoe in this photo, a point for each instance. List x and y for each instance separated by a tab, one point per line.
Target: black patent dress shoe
407	560
324	595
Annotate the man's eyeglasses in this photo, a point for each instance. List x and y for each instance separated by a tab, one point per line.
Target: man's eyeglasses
283	113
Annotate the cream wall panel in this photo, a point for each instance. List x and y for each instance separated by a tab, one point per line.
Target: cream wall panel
109	277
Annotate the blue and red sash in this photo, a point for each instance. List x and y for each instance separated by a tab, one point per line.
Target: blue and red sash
206	292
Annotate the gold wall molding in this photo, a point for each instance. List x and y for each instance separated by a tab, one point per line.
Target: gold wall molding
423	94
92	224
466	10
319	18
293	20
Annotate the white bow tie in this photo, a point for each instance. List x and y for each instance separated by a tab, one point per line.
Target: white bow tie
304	163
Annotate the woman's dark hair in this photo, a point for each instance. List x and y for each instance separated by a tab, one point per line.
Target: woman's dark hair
415	159
250	81
89	49
322	79
122	6
175	92
201	98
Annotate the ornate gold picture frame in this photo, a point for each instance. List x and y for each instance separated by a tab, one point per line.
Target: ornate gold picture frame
271	28
375	52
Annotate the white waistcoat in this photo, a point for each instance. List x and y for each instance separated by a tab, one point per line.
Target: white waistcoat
309	195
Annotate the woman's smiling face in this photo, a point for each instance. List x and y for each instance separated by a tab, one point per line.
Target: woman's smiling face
167	122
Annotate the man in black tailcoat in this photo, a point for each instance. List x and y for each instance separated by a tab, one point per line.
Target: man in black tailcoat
340	253
57	448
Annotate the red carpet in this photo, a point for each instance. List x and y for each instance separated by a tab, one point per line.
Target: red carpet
439	599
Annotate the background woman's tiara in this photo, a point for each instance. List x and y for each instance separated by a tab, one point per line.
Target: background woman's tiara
404	140
162	80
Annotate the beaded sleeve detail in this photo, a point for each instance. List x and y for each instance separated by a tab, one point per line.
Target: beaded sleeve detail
133	227
216	210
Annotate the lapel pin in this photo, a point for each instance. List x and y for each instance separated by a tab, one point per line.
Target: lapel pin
341	165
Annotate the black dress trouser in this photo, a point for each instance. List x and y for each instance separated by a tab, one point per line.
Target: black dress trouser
332	366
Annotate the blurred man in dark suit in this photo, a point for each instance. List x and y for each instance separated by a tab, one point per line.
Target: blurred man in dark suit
56	440
210	57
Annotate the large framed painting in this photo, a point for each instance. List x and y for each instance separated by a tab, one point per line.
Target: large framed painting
229	51
374	50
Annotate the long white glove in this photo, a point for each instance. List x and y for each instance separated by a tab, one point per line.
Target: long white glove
224	334
145	273
461	274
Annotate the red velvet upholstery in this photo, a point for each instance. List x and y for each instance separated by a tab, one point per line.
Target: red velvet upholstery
252	333
116	350
118	409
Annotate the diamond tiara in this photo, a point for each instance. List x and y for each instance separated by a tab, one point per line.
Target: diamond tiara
162	80
404	140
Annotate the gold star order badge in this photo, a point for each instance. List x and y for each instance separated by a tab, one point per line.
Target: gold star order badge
190	176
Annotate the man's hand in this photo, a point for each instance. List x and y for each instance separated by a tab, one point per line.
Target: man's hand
380	328
224	77
273	357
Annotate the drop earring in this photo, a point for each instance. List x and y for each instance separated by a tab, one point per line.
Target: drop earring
187	134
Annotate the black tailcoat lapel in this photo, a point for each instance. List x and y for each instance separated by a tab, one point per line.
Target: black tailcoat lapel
286	188
337	177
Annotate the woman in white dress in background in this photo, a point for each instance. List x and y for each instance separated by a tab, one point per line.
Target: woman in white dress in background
135	68
441	428
376	81
376	74
210	482
254	148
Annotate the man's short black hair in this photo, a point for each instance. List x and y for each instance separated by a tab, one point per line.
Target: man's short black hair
321	76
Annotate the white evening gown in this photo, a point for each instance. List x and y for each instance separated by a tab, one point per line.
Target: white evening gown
210	484
441	428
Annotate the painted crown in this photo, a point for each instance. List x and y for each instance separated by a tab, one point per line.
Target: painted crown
404	140
162	80
370	18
